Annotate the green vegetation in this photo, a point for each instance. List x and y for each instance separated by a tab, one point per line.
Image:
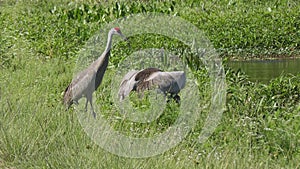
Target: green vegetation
39	42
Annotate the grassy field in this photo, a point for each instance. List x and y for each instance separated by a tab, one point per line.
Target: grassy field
39	43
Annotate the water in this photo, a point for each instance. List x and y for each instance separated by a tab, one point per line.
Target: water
265	70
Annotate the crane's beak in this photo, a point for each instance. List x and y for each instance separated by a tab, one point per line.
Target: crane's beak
128	44
125	39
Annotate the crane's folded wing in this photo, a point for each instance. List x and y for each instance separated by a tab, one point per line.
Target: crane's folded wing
85	81
171	82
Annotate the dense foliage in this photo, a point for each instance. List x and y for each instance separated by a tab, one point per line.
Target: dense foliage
236	28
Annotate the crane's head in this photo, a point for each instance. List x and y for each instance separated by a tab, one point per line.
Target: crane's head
117	31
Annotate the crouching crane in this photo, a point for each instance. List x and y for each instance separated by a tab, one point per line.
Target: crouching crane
169	83
88	80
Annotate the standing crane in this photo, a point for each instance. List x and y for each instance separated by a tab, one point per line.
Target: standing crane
88	80
166	82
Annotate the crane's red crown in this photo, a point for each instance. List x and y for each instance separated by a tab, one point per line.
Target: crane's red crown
117	29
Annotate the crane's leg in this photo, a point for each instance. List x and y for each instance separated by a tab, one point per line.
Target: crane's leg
168	97
86	103
177	98
90	99
93	112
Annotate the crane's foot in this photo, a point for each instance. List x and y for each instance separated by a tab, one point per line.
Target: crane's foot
94	114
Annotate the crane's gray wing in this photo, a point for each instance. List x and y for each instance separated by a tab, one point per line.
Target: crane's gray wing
171	82
127	84
83	83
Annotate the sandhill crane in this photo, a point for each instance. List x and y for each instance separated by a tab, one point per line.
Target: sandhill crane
88	80
166	82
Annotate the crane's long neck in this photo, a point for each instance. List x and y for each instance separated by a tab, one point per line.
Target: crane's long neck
100	61
108	44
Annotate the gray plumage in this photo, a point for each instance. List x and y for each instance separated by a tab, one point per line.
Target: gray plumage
88	80
166	82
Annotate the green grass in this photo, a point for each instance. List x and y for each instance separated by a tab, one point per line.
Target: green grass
39	43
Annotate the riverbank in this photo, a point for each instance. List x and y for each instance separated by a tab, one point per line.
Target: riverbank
263	71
